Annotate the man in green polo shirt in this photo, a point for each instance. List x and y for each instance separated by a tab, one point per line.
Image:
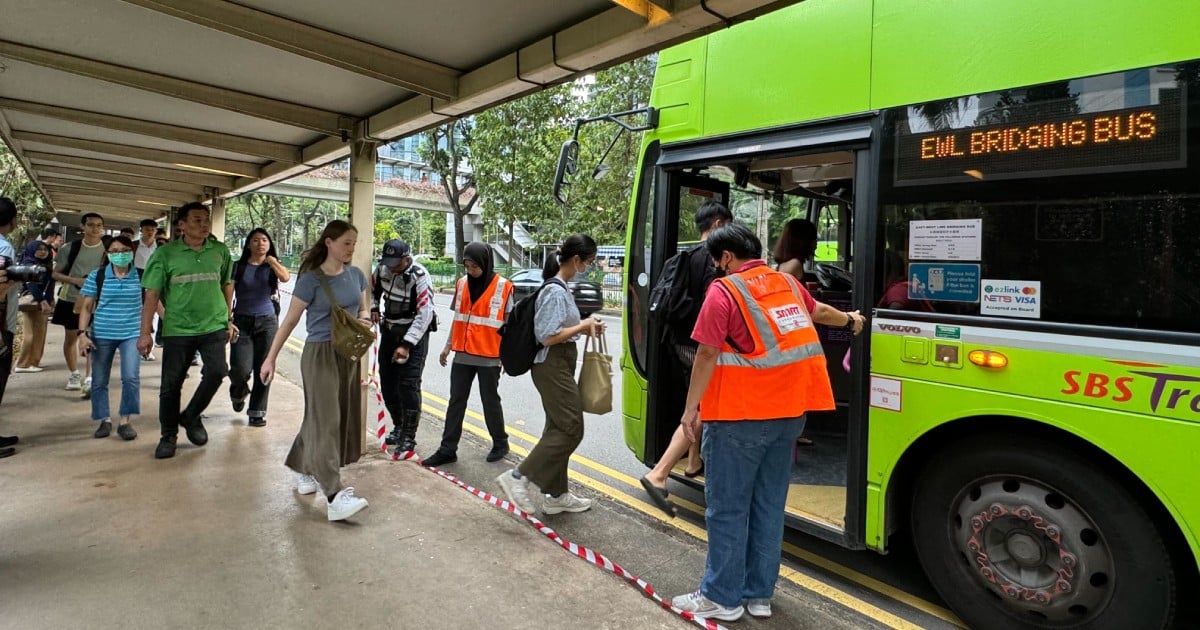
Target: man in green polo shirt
193	276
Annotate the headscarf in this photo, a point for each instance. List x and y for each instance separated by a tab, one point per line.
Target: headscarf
480	254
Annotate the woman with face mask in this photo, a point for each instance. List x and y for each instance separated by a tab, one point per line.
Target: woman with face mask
112	305
542	477
256	278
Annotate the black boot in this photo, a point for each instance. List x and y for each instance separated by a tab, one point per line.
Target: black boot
408	431
394	438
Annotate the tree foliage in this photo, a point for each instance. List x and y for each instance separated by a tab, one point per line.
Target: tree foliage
447	150
16	185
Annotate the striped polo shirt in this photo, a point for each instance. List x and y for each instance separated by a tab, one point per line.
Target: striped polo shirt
118	315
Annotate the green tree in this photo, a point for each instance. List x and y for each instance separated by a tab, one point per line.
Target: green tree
514	153
16	185
447	150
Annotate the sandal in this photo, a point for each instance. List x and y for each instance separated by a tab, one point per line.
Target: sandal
659	497
696	473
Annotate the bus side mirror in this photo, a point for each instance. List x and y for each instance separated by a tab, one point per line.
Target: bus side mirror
568	164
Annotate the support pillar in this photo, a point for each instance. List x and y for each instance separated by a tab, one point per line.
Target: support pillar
362	216
217	213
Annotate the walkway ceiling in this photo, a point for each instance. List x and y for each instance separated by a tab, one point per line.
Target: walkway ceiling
132	106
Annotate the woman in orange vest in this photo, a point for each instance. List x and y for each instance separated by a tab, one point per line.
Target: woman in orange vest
758	369
482	301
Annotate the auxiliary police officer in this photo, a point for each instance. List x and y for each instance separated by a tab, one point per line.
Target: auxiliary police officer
402	304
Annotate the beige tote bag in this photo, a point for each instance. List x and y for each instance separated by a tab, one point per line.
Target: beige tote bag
595	379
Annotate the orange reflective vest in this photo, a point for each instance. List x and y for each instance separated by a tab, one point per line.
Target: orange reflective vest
476	328
784	376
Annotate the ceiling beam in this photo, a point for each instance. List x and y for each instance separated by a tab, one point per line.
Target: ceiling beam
198	163
120	178
321	121
114	213
277	151
220	182
66	182
347	53
97	204
127	195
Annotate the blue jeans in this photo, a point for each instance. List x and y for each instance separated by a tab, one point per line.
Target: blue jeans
102	360
748	467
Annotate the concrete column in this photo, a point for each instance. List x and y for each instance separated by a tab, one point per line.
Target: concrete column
217	212
362	216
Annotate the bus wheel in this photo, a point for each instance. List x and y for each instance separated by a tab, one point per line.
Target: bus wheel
1018	532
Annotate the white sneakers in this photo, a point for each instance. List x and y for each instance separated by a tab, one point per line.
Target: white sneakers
306	484
760	608
518	491
345	505
702	606
33	369
567	502
74	382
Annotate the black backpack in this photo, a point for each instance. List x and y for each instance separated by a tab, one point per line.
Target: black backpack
518	343
671	304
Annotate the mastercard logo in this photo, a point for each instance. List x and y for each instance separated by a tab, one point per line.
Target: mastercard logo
1029	291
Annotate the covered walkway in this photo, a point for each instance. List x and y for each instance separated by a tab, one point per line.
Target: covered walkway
99	534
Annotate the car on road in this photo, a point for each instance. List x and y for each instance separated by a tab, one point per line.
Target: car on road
589	297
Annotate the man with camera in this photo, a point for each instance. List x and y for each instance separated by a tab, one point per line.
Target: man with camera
10	288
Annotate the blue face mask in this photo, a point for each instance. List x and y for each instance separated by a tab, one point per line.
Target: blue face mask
121	259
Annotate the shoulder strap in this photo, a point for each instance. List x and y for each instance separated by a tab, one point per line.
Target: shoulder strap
239	271
333	303
72	253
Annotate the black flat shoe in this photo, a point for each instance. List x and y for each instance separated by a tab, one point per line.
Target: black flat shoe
8	440
257	422
659	497
438	459
127	432
497	453
196	434
692	475
104	430
7	451
165	449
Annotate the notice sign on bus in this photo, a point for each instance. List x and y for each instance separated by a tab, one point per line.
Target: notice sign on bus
1137	138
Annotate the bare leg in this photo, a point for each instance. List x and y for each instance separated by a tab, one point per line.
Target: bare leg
694	462
675	451
71	349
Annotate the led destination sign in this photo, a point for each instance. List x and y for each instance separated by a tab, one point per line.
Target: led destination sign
1127	139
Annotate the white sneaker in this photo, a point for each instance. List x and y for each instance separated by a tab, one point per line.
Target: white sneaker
567	502
150	357
517	491
307	484
760	608
33	369
702	606
345	505
74	382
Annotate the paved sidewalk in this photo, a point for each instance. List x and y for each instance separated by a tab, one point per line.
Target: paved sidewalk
98	534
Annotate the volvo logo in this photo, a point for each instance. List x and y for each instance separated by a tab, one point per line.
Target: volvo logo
896	328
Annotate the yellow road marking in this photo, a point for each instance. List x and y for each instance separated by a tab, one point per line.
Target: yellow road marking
804	581
850	574
789	574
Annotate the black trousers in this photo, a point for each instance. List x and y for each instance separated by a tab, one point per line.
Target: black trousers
246	359
401	382
461	377
177	358
6	354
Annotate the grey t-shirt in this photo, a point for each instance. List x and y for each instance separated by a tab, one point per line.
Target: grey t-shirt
555	310
88	260
348	288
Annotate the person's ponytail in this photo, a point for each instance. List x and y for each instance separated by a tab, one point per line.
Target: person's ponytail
580	245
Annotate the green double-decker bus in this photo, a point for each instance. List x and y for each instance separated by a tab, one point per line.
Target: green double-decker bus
1012	192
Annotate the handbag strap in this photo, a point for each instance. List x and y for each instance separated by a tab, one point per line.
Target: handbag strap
328	291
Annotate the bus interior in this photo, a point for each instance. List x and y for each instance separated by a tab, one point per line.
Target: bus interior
818	187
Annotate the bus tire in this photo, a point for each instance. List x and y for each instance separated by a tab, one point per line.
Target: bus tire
1020	532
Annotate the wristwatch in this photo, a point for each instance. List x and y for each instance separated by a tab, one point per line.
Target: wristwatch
849	325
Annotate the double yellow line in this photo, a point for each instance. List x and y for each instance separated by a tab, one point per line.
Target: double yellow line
791	575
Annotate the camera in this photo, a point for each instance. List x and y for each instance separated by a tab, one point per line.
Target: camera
23	273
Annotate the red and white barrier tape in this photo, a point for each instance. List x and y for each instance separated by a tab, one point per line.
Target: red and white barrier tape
583	553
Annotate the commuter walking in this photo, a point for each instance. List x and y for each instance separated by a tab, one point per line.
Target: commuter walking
143	249
81	257
256	278
755	335
110	306
194	276
557	326
40	302
482	301
402	305
696	273
330	434
9	292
